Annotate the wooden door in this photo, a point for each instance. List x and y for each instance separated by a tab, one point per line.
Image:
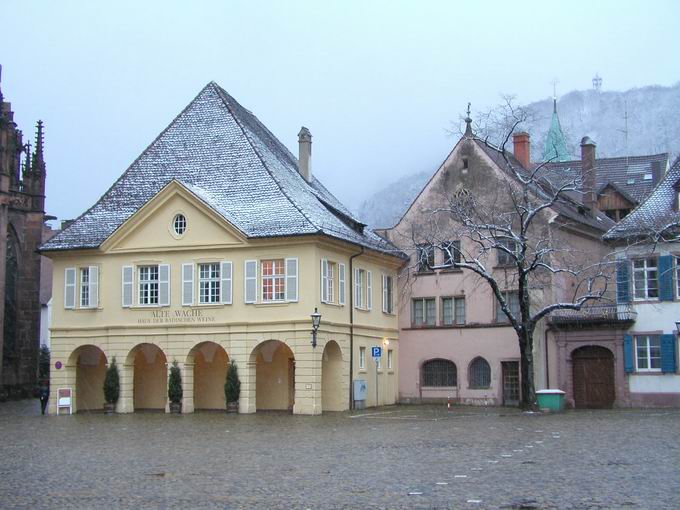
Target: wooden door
593	376
510	371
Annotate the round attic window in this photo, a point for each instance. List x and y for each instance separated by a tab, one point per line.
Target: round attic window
179	224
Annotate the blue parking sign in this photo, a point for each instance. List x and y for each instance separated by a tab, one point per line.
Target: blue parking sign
376	352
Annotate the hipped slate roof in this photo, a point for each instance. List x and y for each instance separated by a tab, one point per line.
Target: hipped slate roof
626	174
655	215
227	157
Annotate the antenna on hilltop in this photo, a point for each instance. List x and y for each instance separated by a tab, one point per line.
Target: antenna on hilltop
597	83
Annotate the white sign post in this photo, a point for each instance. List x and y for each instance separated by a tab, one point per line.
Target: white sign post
376	352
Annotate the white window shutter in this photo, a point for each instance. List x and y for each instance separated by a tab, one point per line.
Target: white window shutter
94	287
341	284
369	290
292	279
226	287
357	288
251	281
324	278
164	285
70	287
384	293
127	279
188	284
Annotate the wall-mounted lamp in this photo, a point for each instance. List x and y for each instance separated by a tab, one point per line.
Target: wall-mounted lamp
316	321
677	326
386	342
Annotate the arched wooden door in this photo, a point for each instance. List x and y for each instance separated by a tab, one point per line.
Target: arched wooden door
593	376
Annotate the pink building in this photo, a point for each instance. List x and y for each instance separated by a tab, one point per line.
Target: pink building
455	341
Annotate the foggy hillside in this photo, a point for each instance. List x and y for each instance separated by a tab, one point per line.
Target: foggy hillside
653	126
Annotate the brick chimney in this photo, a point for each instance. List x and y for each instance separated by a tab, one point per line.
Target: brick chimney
522	148
305	154
588	175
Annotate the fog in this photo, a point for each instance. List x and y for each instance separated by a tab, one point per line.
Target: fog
377	83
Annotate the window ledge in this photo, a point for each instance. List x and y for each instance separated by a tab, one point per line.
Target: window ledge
365	310
334	305
391	314
205	305
479	388
146	307
362	370
651	372
89	309
453	270
439	388
263	304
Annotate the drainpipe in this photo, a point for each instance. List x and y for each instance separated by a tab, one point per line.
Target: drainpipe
547	359
351	327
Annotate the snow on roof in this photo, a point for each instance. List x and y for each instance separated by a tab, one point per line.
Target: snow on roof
222	153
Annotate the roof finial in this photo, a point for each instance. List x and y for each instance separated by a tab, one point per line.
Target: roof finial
38	156
554	83
27	165
468	122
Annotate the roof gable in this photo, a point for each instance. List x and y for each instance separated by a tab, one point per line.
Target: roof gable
151	227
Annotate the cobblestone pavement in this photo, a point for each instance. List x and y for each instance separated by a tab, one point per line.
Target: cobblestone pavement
395	457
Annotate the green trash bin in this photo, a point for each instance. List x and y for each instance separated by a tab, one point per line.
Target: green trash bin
550	400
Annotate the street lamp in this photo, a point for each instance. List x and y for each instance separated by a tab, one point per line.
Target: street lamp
316	321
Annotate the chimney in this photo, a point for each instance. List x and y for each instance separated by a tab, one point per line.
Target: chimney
656	172
588	176
305	154
522	148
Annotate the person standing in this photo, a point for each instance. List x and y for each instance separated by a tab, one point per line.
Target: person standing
44	394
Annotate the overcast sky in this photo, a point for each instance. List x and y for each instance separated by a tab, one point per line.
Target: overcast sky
377	83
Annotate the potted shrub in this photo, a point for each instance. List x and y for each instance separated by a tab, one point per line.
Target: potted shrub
232	388
175	388
111	387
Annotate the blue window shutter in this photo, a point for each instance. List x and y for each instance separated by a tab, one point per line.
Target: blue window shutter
666	278
668	359
623	281
628	361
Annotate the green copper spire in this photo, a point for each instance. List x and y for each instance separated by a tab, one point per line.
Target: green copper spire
555	143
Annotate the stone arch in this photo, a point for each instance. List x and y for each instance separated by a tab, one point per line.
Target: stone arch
274	375
209	360
150	377
479	373
332	394
593	377
89	363
438	373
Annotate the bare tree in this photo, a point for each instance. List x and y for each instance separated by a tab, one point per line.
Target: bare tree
527	220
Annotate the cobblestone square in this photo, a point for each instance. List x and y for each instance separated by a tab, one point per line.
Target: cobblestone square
394	457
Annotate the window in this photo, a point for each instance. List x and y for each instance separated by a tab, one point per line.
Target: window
84	287
83	293
363	289
505	258
439	373
328	275
648	353
387	294
480	374
362	358
512	299
451	251
179	224
425	257
645	278
390	359
148	285
273	280
423	312
465	164
209	283
453	311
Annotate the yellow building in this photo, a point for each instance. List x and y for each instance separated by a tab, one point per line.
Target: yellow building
217	245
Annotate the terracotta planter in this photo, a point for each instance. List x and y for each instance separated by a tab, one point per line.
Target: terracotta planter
109	408
175	407
232	407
